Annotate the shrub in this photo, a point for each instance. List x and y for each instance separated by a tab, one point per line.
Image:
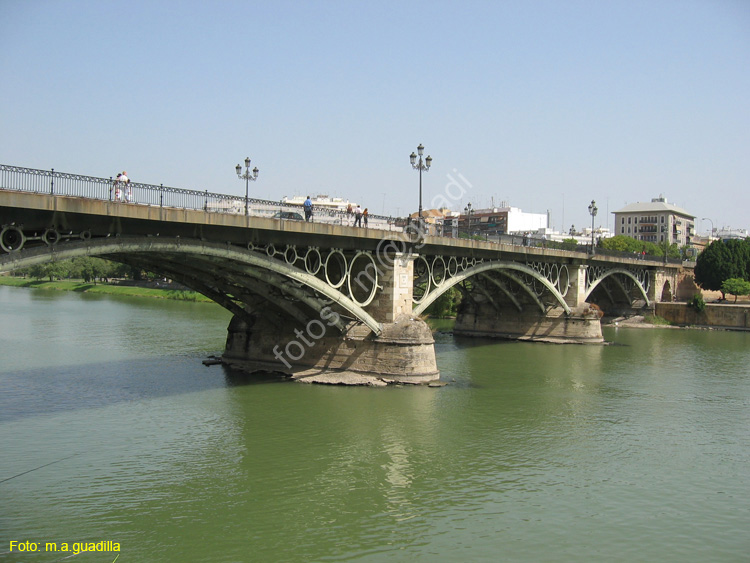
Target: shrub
697	303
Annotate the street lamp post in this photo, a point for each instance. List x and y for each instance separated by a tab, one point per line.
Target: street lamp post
420	165
468	210
592	210
710	236
247	176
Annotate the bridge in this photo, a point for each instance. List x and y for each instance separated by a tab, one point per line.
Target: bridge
322	297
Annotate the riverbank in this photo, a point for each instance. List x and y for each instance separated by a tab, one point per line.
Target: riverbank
81	286
682	316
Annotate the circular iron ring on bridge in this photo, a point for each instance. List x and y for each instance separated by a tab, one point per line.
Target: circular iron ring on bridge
313	261
343	268
437	275
290	254
50	237
562	286
12	238
452	266
369	274
421	273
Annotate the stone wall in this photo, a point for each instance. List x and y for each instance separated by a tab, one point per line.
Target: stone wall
723	315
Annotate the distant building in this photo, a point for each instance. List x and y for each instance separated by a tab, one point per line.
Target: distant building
501	221
434	219
320	201
727	233
657	221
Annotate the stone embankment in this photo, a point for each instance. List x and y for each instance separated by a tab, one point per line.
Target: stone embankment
681	315
725	315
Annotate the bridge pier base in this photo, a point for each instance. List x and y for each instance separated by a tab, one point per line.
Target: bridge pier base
403	353
582	326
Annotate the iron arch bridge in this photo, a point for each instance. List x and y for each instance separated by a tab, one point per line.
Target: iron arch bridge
296	282
299	281
545	284
363	291
630	283
542	285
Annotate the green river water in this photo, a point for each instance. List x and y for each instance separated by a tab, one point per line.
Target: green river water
636	451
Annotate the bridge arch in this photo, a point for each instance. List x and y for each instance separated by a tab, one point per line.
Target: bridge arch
245	268
615	272
504	267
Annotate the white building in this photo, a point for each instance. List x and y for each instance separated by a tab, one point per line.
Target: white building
320	201
727	233
657	221
521	222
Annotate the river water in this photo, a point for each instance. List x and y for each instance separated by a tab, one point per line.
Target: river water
637	451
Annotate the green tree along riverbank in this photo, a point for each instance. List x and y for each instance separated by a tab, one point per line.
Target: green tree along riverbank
105	288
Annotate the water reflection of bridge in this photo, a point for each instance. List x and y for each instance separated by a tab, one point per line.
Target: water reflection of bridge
322	296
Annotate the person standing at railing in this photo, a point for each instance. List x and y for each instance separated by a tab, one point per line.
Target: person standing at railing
122	187
365	215
307	206
128	190
358	216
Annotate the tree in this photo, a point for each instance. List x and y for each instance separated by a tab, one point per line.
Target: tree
736	287
721	261
569	244
446	305
622	243
90	269
52	270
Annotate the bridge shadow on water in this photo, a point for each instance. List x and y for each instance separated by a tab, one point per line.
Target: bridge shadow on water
238	378
50	390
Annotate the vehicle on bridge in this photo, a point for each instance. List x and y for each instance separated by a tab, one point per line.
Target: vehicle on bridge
287	215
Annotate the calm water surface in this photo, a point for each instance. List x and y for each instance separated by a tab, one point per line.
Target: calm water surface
637	451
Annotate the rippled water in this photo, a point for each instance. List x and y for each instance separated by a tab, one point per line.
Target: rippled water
635	451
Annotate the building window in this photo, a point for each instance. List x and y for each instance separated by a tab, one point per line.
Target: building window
662	220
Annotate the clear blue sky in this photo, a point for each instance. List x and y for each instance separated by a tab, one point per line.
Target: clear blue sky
543	104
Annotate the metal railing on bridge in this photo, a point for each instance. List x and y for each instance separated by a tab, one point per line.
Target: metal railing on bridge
51	182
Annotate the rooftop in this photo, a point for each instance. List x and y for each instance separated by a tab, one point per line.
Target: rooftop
655	205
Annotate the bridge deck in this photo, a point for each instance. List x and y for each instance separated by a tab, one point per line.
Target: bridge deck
38	211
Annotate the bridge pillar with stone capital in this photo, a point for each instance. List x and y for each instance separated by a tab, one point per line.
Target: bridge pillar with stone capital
576	295
394	300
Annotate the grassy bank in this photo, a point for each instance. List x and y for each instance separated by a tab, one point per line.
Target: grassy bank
105	289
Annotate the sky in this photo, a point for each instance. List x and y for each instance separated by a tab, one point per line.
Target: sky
541	105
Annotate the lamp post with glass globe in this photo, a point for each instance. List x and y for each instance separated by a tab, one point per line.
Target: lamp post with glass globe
420	165
247	176
468	211
592	210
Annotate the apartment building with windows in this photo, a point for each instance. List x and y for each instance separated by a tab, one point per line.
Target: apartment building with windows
657	221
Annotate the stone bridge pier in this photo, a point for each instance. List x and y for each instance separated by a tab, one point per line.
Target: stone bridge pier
401	349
